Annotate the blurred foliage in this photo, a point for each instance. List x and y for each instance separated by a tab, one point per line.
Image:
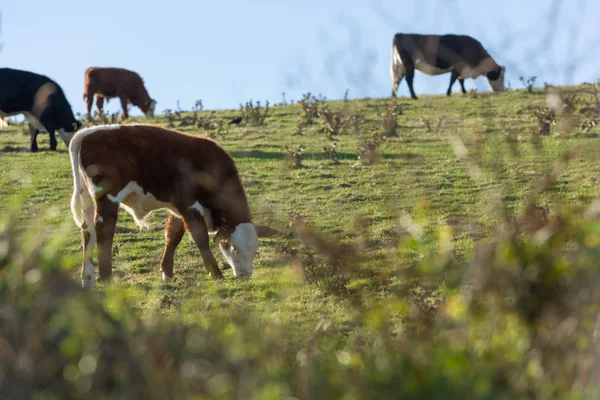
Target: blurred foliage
522	324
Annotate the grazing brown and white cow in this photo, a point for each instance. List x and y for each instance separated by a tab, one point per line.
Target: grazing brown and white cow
462	56
107	83
143	168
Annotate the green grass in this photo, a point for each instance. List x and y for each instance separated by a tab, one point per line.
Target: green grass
419	176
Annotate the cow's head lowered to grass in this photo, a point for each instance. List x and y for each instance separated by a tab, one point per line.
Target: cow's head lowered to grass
239	246
496	79
150	108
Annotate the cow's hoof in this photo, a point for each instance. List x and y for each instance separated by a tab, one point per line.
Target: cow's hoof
166	278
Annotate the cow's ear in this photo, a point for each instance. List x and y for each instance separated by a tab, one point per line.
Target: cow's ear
264	231
222	236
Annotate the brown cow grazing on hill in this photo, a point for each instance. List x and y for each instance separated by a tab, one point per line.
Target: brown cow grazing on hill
462	56
143	168
108	83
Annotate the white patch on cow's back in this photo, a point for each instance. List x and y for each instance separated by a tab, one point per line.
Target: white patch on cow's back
33	121
80	134
139	204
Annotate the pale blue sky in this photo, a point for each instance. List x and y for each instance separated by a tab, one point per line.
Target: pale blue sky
226	52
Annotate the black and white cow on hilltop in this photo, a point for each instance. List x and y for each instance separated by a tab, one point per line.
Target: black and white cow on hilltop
463	56
41	101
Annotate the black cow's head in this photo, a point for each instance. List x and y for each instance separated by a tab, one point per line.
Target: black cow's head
496	79
67	131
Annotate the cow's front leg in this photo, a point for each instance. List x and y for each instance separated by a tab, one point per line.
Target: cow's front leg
107	212
174	231
196	227
33	132
53	142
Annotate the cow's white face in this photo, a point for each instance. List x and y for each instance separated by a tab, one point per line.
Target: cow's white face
498	84
65	136
150	112
240	248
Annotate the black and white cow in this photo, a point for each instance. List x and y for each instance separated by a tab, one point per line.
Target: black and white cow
462	56
41	101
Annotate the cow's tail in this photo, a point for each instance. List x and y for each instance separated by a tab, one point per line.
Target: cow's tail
82	203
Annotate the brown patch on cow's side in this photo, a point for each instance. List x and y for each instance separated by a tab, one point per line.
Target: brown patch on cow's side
174	167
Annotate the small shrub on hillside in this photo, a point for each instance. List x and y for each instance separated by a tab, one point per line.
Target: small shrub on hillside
528	83
169	117
546	117
433	128
310	107
355	120
254	114
331	150
333	121
368	151
299	127
295	155
204	120
389	119
198	106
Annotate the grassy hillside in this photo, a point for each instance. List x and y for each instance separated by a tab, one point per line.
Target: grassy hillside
379	262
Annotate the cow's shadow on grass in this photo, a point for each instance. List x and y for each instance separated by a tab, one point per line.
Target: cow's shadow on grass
15	148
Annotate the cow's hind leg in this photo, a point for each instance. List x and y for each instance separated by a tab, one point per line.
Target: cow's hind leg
195	225
409	67
33	132
453	78
107	212
174	231
397	76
